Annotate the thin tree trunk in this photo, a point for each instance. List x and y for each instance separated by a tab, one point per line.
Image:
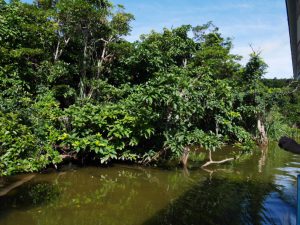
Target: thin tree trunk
217	128
185	156
59	47
184	63
56	54
81	88
84	59
101	60
82	83
263	139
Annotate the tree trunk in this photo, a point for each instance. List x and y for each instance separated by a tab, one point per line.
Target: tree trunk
84	60
262	139
82	83
185	156
101	60
56	54
184	63
59	48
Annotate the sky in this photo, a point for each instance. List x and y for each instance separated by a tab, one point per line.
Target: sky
259	23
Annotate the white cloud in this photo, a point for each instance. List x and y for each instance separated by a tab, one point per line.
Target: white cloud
275	52
247	22
277	55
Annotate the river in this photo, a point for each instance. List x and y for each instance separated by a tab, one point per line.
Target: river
258	188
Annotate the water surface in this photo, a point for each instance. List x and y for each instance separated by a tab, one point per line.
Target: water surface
257	189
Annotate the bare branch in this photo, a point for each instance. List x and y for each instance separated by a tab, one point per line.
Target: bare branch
67	41
217	162
258	52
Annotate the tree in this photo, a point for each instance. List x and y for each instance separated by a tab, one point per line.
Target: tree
90	28
72	87
256	95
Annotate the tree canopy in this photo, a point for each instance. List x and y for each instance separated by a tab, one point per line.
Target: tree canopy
72	86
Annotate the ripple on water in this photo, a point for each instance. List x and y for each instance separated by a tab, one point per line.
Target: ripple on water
275	205
295	163
290	171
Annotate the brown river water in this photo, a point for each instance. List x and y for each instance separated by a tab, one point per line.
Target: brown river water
258	188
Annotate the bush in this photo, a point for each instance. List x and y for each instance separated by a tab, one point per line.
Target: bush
27	137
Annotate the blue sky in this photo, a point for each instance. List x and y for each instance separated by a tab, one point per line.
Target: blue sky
261	23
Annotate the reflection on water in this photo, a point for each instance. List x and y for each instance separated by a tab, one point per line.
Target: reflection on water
30	194
259	189
218	201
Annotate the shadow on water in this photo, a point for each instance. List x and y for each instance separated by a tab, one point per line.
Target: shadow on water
26	197
30	195
218	201
260	189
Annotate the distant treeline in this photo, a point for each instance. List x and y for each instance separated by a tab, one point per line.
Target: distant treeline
277	83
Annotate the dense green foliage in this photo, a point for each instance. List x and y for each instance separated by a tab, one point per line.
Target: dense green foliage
71	85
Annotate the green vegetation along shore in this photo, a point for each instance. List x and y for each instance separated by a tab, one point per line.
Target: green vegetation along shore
71	86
